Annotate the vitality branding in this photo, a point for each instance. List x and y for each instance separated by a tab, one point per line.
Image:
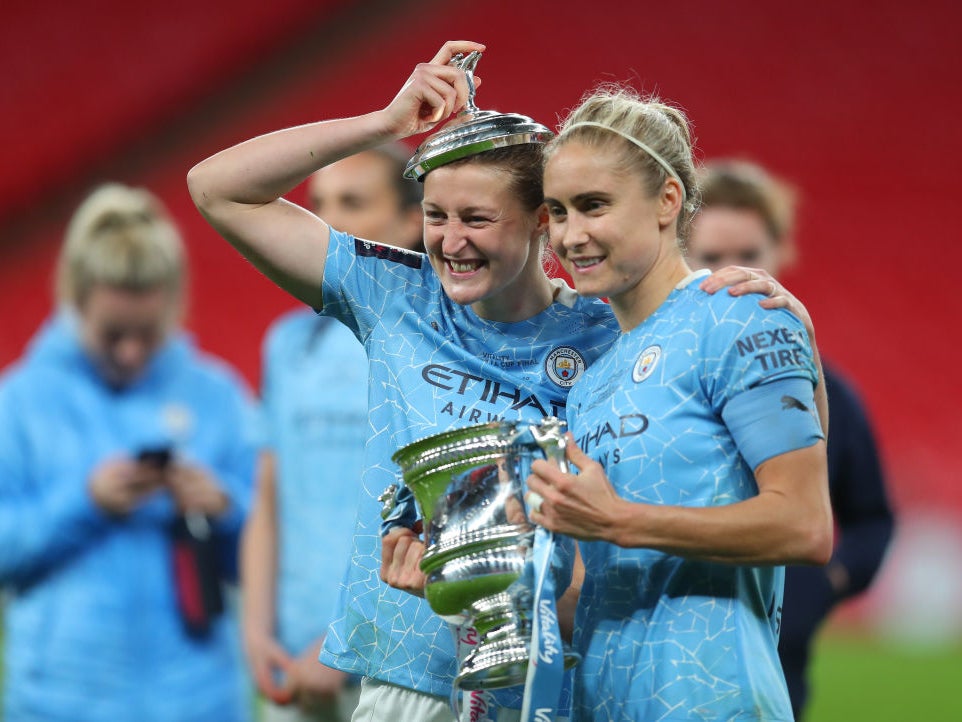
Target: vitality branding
548	638
479	706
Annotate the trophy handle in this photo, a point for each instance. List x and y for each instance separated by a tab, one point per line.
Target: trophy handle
388	499
550	436
468	63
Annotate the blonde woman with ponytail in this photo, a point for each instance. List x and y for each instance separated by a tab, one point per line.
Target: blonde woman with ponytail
117	438
700	453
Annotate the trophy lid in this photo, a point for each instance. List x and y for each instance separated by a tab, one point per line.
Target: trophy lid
473	131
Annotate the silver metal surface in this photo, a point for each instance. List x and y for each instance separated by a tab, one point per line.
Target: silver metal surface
473	131
388	499
469	484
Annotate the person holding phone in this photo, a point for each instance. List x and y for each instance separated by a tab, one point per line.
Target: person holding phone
114	428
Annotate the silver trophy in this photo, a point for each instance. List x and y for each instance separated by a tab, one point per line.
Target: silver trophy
469	487
473	131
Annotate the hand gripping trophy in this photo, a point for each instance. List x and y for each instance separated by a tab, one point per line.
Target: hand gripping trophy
481	557
487	565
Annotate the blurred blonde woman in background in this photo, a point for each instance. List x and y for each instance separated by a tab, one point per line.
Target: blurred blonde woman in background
114	429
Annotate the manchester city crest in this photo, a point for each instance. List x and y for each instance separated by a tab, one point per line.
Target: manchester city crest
564	365
646	363
178	421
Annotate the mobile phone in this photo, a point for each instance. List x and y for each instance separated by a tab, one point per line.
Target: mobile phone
157	456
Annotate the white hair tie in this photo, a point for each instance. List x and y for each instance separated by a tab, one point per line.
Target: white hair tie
648	149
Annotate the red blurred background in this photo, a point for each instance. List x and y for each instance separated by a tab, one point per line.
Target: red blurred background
852	101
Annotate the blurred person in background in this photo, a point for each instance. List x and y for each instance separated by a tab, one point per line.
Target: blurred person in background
126	467
295	551
747	219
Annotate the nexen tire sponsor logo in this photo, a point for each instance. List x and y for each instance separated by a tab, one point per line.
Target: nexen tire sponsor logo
758	345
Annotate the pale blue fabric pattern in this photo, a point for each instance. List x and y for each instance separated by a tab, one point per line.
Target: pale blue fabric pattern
91	628
434	365
665	638
314	395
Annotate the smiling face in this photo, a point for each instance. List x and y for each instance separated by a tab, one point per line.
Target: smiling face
613	238
483	244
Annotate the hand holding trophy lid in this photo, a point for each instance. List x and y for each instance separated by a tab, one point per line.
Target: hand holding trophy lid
473	131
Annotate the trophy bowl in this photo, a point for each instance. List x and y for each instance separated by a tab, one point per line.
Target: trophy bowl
469	486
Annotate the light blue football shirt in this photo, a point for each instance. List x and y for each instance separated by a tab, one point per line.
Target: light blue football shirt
665	638
315	411
434	366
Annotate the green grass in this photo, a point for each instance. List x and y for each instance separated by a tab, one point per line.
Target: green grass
854	678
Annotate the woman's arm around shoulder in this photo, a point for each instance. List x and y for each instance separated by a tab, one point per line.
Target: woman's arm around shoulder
788	522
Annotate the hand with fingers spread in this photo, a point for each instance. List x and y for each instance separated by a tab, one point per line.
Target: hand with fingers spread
401	553
584	505
741	280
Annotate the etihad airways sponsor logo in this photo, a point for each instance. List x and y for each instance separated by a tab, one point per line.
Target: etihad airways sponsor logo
478	391
624	426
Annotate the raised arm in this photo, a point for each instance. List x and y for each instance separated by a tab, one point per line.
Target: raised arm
239	190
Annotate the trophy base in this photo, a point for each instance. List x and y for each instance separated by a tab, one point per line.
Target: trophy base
501	663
